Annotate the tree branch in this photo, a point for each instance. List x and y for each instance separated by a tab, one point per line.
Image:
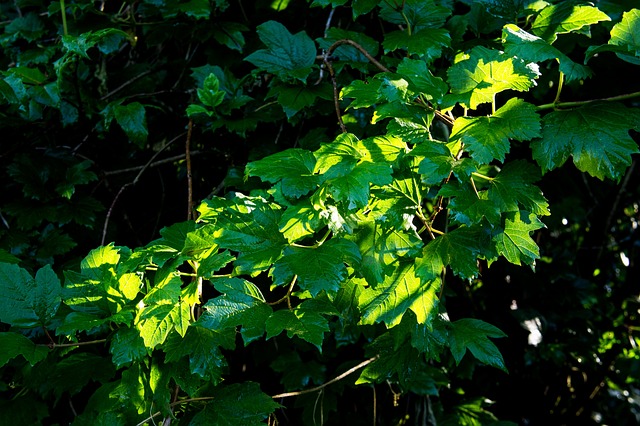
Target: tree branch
335	379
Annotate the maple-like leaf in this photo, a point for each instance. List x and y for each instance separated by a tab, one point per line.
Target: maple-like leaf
458	249
294	168
514	242
596	135
473	334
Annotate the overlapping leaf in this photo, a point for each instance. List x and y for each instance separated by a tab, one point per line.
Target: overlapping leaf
565	17
487	138
595	135
473	334
514	242
294	168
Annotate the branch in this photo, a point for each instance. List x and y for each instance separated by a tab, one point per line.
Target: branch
335	379
133	182
71	345
556	105
189	175
154	164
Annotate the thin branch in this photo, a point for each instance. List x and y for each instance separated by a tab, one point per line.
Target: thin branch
126	185
173	404
189	175
152	165
286	296
582	103
335	379
125	84
71	345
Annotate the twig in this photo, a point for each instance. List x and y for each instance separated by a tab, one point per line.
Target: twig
52	345
125	84
189	175
135	180
173	404
556	105
152	165
335	379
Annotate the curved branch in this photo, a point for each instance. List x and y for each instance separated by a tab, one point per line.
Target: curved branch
335	379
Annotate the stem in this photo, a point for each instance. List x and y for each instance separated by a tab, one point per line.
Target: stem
63	11
71	345
340	377
581	103
560	85
481	176
189	175
286	296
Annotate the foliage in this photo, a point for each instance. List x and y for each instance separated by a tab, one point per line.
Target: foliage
379	181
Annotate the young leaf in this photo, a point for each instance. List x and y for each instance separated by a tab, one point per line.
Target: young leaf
287	56
563	18
14	344
514	241
596	135
388	301
239	404
483	73
473	334
487	138
211	95
27	302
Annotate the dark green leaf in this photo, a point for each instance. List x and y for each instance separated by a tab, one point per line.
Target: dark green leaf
473	334
27	302
14	344
201	346
132	119
305	321
240	404
512	189
288	56
293	167
458	249
595	135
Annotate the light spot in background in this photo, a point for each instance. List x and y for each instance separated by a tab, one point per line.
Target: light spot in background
514	305
533	325
624	258
565	222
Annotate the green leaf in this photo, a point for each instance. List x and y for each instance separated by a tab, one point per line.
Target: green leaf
513	190
364	93
384	148
201	346
482	73
299	221
518	42
417	14
346	149
426	43
287	56
241	304
293	98
132	119
467	206
127	347
248	225
487	138
155	322
360	7
27	302
595	135
458	249
564	18
14	344
436	161
318	268
293	167
514	241
352	189
239	404
211	95
305	321
473	334
403	289
347	53
421	79
624	40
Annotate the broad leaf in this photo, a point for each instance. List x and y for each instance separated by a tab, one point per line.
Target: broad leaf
595	135
317	268
155	322
14	344
240	404
473	334
514	242
624	39
294	168
28	302
565	17
402	290
512	189
241	304
458	249
487	138
305	321
518	42
133	120
483	73
426	43
288	56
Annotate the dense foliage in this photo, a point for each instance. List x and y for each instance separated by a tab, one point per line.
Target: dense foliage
413	212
